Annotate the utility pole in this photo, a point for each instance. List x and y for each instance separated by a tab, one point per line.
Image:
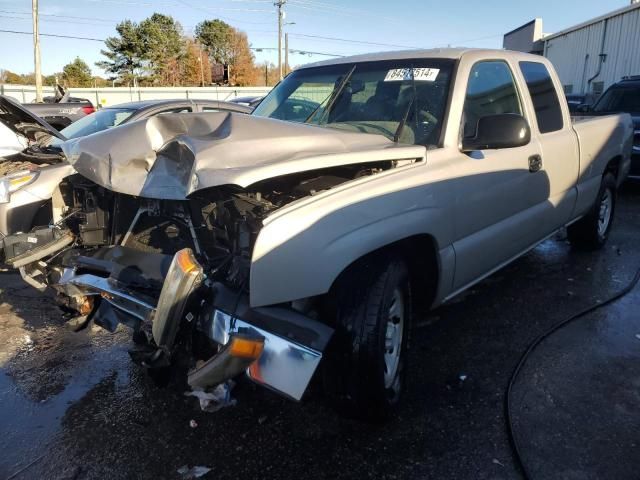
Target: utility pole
286	53
201	65
36	50
280	4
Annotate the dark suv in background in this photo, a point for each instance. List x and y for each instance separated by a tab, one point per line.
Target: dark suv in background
623	96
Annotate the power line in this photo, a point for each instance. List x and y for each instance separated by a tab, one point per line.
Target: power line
135	4
208	10
298	51
257	49
54	35
328	6
333	10
53	20
185	28
347	40
57	16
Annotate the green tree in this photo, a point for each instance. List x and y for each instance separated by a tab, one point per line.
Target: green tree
125	53
163	44
217	37
77	74
147	52
50	80
228	46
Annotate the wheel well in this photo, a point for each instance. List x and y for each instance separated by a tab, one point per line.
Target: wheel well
420	253
614	166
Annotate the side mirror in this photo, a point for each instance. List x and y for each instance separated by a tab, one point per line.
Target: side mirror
503	130
584	108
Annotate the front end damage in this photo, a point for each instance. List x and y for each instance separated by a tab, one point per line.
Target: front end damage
176	272
156	231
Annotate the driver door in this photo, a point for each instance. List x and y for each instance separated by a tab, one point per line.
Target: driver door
497	192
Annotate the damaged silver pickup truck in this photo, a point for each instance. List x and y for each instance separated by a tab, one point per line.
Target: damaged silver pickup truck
306	234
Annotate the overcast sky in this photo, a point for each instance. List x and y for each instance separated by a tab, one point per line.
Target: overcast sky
391	24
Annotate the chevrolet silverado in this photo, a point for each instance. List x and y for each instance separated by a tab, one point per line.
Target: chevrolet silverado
303	237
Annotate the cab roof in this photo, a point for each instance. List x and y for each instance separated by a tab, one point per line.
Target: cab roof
443	53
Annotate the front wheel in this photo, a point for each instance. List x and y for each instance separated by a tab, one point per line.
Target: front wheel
365	365
592	231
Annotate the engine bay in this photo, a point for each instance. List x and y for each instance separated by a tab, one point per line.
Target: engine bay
220	225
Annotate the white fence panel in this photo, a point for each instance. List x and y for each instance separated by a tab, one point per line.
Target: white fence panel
115	95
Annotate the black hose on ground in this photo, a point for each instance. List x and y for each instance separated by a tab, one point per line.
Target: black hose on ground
523	359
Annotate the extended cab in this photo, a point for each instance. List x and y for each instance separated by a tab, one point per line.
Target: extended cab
308	234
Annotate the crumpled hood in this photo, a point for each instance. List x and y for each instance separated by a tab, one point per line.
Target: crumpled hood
171	156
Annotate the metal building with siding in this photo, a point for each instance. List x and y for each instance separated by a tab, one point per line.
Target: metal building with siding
591	56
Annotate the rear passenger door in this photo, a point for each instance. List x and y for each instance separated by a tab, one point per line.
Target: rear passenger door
559	145
498	194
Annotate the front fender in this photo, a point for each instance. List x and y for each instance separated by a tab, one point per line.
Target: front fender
300	252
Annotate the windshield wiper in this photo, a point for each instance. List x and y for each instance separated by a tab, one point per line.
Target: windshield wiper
333	97
403	121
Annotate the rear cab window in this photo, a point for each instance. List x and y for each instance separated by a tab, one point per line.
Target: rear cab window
543	95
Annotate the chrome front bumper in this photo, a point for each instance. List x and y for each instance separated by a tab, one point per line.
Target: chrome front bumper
284	366
293	343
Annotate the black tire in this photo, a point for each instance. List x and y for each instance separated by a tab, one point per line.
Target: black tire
588	233
355	377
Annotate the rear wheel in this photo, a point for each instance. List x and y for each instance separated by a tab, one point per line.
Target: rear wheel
592	231
365	365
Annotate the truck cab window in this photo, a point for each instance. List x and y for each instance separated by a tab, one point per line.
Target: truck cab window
543	95
491	90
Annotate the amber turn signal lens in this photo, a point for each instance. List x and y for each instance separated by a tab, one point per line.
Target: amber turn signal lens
246	348
186	261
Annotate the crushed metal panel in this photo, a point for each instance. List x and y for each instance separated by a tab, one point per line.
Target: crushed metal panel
171	156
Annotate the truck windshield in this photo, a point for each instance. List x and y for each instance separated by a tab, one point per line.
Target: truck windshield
619	99
95	122
404	100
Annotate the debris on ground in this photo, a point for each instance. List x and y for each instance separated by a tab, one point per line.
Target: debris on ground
193	423
262	419
216	399
495	461
193	472
638	336
462	378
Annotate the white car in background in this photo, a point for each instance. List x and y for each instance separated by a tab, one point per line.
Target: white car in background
10	142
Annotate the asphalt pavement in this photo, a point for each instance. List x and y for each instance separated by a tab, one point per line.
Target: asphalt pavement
73	406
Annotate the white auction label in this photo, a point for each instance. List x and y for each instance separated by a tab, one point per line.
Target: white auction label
419	74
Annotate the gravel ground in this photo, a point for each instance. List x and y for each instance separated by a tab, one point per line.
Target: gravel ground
75	407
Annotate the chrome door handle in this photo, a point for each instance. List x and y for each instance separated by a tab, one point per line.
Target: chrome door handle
535	163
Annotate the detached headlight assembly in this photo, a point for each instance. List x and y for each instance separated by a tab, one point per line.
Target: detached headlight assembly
14	182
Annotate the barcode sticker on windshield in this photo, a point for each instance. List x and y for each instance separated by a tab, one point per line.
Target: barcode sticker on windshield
419	74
